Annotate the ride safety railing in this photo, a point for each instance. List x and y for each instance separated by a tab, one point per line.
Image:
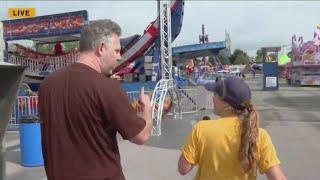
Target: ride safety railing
24	106
43	65
195	100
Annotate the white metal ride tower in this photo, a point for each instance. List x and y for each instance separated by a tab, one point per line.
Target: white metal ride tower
2	44
166	84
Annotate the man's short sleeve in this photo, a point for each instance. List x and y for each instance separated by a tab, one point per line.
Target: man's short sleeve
119	112
191	148
267	153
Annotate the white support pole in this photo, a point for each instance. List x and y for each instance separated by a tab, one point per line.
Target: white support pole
166	83
2	45
165	35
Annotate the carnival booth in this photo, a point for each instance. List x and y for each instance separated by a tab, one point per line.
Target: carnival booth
270	68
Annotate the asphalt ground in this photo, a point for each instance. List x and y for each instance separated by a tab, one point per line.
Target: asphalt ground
291	115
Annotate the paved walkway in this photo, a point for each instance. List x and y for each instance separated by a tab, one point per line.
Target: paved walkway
291	116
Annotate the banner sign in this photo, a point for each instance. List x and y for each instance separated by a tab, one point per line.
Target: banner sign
45	26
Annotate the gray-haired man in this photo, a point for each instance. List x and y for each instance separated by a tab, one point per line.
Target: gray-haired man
82	109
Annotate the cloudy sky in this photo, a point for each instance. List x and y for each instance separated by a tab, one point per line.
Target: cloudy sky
251	24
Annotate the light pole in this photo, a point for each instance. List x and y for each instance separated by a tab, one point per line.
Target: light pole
203	39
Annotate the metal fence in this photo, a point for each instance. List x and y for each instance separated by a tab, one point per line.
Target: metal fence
24	106
44	64
190	101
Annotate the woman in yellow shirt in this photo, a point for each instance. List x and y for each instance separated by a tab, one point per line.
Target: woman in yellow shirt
232	147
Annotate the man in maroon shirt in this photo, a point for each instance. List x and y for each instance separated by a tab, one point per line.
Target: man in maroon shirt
81	110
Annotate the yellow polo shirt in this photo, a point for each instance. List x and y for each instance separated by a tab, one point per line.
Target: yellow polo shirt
214	146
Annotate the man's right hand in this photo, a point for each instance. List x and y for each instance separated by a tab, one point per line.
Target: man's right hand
144	135
144	100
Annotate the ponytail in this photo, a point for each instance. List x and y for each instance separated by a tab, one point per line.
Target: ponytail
248	150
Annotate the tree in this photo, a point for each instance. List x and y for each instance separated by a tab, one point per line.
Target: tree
237	53
241	59
49	48
46	48
224	60
258	58
225	53
70	46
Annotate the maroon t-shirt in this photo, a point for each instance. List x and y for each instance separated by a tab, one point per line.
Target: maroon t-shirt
81	111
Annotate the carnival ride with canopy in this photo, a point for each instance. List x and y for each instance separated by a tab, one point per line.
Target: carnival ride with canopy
66	27
304	68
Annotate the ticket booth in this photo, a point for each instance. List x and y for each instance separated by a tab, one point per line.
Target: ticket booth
270	68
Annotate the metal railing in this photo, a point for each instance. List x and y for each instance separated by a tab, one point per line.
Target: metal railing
191	101
38	66
24	106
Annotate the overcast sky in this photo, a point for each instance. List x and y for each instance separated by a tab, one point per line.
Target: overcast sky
251	24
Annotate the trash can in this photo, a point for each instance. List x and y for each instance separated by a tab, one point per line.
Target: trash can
30	142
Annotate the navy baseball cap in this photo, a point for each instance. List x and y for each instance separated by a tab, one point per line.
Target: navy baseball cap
233	90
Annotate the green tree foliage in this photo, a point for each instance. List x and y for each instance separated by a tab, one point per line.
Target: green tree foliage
224	60
70	46
239	57
67	47
46	48
224	57
258	57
